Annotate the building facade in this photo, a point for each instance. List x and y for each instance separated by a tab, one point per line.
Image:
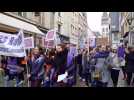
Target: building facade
115	32
69	25
105	24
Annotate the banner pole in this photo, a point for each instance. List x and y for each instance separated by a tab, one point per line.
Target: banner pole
27	71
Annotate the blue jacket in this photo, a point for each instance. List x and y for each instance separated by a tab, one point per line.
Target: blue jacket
37	68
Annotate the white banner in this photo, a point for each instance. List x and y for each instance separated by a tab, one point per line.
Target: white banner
29	42
12	45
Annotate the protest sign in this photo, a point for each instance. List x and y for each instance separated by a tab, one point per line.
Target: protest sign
29	42
12	45
50	35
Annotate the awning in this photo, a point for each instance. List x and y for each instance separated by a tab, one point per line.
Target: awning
16	23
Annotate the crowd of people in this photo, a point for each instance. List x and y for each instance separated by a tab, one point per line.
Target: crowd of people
93	66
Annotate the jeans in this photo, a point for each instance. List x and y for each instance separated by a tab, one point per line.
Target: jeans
129	78
114	76
80	70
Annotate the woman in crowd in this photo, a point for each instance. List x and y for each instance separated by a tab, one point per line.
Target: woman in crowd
121	55
114	66
36	64
79	63
60	61
13	70
130	63
85	65
49	69
101	66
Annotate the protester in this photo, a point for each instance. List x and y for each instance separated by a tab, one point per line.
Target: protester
60	61
130	63
13	69
84	64
121	55
114	64
101	66
36	64
49	69
79	63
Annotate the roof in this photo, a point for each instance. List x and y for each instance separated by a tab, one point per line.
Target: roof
16	23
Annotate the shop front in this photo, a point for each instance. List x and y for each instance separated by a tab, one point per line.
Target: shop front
13	25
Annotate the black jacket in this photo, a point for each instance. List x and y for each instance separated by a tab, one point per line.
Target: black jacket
79	59
60	62
130	62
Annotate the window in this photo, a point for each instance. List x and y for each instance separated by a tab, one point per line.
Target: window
36	14
103	30
59	14
59	28
20	13
115	37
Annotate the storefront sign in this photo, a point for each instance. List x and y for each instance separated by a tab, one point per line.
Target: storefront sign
12	45
29	42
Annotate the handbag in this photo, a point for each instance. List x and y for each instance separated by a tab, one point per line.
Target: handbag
97	75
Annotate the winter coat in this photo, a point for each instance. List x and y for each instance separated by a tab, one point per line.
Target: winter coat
100	64
37	68
114	61
130	62
60	62
84	62
13	65
79	59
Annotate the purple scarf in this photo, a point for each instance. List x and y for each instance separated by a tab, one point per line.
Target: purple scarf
121	52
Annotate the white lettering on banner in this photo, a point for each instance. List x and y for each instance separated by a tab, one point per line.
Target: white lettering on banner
29	42
12	45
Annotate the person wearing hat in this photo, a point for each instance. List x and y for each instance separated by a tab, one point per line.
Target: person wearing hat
114	63
129	63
